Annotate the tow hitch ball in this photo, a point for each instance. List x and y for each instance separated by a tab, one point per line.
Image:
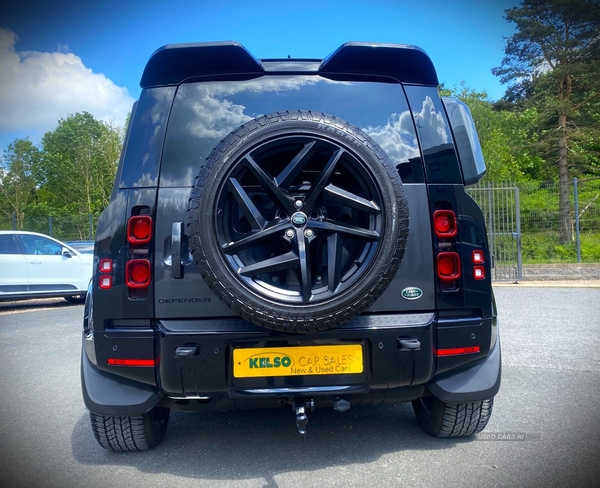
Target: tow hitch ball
300	406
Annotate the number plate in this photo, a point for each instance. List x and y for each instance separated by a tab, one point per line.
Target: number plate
297	361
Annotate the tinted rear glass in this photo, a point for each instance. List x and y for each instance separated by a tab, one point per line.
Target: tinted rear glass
204	113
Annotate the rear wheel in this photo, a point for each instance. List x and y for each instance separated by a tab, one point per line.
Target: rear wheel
441	419
131	433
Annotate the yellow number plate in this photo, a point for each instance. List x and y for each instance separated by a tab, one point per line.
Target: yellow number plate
297	361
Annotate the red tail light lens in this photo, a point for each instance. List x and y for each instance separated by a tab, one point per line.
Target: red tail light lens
479	272
139	229
456	350
448	266
131	362
105	282
105	266
137	273
444	223
477	257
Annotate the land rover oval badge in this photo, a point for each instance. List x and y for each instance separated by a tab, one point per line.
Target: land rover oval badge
412	293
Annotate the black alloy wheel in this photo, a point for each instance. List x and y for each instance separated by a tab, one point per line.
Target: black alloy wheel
299	216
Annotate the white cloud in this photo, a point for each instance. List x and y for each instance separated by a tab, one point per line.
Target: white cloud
434	131
38	89
397	138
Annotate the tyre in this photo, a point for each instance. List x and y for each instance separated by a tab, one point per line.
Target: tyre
75	299
297	221
131	433
441	419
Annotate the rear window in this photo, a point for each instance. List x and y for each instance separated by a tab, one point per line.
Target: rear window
204	113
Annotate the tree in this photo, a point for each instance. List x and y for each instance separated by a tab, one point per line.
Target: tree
17	184
503	135
78	166
554	60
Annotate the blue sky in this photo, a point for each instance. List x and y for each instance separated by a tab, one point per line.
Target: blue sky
62	57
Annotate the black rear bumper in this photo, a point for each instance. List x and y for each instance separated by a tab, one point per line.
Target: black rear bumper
398	355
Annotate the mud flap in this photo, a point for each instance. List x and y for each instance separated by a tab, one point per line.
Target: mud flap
105	394
477	383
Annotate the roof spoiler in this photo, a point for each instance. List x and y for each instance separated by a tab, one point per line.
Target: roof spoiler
174	63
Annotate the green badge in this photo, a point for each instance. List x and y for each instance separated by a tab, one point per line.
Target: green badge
412	293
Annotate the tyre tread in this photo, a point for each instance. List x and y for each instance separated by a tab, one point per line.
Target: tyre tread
292	321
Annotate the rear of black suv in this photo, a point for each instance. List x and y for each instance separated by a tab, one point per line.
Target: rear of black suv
291	232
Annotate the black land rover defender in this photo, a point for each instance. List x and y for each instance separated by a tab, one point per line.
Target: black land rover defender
291	232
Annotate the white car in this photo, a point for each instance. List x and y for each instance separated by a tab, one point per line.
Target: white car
34	265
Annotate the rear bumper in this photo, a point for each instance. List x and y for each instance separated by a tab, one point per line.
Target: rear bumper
107	394
397	351
478	382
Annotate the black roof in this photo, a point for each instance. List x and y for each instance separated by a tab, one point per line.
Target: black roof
174	63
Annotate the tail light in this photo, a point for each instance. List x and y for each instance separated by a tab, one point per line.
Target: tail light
445	227
448	266
478	259
138	268
139	229
105	280
444	223
137	273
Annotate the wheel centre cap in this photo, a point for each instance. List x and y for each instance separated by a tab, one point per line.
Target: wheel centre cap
299	219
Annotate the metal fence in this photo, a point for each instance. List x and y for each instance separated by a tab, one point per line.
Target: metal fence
500	205
64	228
524	225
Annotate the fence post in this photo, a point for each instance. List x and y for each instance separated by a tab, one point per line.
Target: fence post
518	216
14	221
50	226
491	227
577	236
91	221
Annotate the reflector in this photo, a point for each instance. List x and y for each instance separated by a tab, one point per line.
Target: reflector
456	350
131	362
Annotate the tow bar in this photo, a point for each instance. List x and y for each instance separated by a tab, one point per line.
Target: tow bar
300	405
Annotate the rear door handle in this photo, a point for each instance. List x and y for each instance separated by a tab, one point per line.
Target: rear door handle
35	262
176	267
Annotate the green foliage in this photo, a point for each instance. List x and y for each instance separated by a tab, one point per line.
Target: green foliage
552	63
503	134
543	247
70	176
17	184
82	155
